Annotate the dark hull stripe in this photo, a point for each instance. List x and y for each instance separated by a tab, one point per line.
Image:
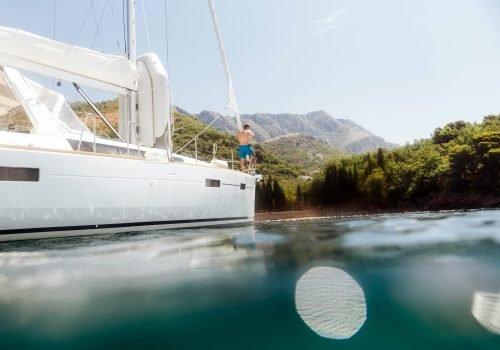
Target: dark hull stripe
127	224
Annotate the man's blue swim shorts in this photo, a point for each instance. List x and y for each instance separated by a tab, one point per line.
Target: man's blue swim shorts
246	150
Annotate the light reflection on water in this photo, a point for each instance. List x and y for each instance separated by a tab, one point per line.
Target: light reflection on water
486	310
391	281
330	302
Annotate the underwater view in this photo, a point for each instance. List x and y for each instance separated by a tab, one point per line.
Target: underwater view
404	281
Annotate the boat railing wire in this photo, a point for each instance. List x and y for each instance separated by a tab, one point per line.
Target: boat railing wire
201	132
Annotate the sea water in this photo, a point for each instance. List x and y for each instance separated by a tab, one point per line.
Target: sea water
413	281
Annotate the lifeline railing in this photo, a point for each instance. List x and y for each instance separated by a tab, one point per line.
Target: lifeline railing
195	140
131	126
201	132
250	169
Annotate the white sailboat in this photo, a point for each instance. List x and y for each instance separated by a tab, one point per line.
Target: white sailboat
58	178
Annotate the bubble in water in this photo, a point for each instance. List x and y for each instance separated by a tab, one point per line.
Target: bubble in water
330	302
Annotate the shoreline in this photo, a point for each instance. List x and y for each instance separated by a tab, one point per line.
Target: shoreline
333	213
442	202
318	213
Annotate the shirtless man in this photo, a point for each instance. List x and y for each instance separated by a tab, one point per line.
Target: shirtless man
245	137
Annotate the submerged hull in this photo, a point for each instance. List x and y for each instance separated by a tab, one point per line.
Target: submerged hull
47	193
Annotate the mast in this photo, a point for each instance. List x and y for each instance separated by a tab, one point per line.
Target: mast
132	57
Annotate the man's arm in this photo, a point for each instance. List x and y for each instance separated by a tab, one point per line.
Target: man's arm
250	135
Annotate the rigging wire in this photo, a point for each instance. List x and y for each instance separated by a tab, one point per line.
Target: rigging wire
170	95
84	21
73	18
98	32
124	27
205	129
166	34
146	24
19	13
54	21
54	32
113	16
84	111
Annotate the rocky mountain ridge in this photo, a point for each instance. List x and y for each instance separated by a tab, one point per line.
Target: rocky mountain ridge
342	134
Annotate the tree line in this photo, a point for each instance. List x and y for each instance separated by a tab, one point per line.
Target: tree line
459	159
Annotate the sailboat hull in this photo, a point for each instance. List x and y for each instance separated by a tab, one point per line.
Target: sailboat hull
46	193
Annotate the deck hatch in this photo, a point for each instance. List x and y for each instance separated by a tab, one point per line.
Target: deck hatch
212	183
243	186
19	174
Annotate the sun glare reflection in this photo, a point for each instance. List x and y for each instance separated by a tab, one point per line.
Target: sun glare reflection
330	302
486	310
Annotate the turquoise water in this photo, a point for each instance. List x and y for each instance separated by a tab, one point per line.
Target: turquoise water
417	281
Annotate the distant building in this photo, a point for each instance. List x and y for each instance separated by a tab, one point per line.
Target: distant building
305	178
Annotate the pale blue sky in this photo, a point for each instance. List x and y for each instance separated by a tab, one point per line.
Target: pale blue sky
399	68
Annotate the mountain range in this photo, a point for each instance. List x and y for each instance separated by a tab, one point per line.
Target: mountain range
343	135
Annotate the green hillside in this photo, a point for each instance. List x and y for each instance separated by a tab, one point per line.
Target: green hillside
458	167
306	152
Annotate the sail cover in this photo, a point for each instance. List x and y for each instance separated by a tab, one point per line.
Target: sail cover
37	54
231	104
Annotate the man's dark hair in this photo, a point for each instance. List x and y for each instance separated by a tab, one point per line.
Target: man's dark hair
246	126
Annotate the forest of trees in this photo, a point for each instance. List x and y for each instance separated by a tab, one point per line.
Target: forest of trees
460	159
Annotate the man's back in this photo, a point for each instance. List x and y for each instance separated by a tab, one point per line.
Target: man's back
245	137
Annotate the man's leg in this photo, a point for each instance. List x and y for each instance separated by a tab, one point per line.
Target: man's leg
242	164
253	159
